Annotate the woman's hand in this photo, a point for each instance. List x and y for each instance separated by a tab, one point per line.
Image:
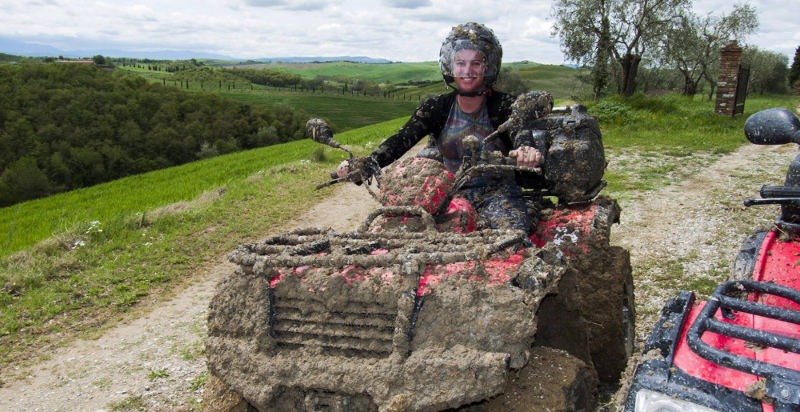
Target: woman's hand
527	156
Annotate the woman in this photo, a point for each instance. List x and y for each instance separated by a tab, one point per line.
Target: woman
469	60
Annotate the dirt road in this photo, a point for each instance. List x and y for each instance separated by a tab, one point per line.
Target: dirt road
684	234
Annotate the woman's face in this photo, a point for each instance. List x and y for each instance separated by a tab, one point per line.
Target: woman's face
468	69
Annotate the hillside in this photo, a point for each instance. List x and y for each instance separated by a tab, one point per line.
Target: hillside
66	126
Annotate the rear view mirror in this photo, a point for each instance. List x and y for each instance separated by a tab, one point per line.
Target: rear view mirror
773	126
320	132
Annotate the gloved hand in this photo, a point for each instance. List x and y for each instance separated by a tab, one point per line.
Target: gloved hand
358	169
527	156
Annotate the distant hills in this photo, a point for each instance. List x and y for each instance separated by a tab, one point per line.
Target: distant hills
27	49
21	48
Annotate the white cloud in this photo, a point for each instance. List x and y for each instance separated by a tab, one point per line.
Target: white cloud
403	30
407	4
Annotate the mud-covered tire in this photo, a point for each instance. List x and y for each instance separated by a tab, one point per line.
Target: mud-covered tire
629	315
218	396
592	313
553	380
746	258
608	306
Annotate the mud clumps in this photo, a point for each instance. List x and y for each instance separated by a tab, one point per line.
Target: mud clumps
417	181
574	159
396	321
553	380
592	314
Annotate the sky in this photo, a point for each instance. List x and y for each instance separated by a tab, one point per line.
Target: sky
397	30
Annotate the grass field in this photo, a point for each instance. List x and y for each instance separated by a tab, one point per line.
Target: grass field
379	73
343	112
347	111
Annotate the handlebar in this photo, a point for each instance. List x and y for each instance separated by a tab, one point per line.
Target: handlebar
779	191
776	195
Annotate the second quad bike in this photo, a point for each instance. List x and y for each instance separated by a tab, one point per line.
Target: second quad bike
739	350
424	307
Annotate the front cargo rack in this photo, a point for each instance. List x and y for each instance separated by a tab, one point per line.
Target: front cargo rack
782	384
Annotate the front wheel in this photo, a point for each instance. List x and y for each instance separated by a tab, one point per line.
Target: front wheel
610	311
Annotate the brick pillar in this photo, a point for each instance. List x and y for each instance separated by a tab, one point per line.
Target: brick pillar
728	73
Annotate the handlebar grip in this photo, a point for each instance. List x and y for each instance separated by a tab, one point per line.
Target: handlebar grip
779	191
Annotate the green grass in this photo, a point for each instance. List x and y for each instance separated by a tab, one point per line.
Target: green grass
562	82
343	112
655	141
157	374
681	125
131	403
379	73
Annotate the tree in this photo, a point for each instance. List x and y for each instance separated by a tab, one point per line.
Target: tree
693	43
794	71
511	82
23	180
768	70
99	59
592	31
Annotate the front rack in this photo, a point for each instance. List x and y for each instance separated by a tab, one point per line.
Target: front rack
782	384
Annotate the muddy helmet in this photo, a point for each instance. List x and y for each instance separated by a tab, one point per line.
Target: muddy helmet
473	36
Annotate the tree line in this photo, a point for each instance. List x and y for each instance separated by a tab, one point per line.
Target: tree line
66	126
662	40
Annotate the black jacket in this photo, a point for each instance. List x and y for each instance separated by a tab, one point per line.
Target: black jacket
429	119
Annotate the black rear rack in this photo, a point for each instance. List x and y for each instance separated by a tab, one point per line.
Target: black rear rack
782	384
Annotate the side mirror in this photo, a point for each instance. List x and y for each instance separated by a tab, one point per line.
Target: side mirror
320	132
773	126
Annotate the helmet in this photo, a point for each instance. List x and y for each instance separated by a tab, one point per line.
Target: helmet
473	36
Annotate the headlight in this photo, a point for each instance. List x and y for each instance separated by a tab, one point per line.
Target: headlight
651	401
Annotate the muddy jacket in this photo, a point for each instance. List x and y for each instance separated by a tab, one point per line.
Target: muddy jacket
430	118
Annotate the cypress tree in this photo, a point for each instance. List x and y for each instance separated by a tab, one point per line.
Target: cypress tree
794	71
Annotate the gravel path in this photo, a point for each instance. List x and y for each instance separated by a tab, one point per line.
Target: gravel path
685	234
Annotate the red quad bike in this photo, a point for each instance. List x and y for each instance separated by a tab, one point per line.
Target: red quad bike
740	350
423	307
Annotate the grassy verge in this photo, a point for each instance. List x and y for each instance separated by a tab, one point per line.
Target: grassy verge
651	142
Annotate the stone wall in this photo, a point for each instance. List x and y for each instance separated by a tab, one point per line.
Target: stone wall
730	56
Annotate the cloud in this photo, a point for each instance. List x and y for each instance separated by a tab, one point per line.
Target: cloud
537	27
296	5
265	3
407	4
400	30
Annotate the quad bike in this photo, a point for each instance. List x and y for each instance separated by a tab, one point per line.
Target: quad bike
423	307
740	350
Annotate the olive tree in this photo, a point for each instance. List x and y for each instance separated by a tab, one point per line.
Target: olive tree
620	32
693	43
768	70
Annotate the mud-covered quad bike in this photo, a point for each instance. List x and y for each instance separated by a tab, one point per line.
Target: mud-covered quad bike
423	308
740	350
